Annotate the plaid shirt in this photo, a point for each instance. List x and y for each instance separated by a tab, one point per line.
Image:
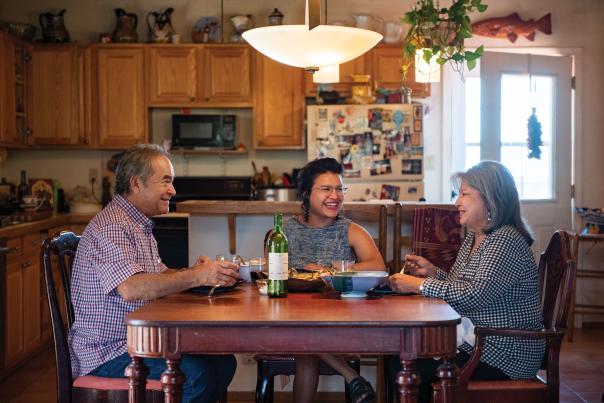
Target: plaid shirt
116	244
496	286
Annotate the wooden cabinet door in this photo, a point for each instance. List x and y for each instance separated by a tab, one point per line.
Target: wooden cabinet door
85	96
122	113
172	78
13	331
278	105
55	95
360	65
31	304
226	75
386	62
15	94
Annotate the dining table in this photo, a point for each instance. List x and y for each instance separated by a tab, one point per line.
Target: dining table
243	321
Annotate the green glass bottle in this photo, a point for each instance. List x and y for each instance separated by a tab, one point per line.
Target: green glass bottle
277	261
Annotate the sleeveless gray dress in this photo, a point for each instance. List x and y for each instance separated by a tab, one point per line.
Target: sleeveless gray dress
317	245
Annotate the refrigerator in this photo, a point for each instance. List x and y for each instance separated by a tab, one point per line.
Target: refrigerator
380	147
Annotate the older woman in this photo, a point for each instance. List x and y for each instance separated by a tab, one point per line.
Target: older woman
318	236
493	283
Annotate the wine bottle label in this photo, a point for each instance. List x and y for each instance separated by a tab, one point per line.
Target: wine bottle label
277	266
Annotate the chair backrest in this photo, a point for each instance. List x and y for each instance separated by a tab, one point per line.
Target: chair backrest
58	252
437	236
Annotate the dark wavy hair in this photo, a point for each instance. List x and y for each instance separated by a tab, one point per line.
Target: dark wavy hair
497	188
307	176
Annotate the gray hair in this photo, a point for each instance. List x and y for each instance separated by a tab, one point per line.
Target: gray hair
136	162
496	185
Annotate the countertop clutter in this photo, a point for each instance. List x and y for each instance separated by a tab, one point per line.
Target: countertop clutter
51	221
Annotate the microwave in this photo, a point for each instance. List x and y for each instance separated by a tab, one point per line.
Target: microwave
203	131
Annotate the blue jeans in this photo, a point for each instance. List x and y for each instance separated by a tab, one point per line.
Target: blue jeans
207	376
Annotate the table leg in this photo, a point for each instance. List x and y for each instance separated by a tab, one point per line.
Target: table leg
172	380
408	382
137	373
445	390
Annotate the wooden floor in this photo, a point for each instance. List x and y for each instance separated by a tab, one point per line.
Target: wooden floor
581	372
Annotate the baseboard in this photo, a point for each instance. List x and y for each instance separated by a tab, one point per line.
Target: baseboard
285	397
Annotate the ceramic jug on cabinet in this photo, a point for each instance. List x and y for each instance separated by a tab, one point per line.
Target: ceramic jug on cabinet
125	28
161	28
393	32
53	27
368	22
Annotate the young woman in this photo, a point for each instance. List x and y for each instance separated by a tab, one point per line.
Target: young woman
493	283
318	236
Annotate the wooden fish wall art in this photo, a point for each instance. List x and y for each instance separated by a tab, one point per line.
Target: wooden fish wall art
512	27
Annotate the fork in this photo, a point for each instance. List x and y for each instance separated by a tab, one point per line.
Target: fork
211	293
404	267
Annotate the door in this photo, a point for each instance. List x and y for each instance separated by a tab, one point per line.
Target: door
172	75
227	75
55	95
512	86
122	111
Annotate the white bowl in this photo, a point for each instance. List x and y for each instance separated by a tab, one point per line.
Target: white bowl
355	284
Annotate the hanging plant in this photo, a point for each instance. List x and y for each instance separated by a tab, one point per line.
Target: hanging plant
534	136
439	32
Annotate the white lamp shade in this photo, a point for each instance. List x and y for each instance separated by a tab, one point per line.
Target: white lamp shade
327	74
426	72
325	45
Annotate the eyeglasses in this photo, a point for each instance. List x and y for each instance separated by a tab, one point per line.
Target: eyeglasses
327	190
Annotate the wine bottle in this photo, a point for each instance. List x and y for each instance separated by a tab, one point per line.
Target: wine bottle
277	261
23	189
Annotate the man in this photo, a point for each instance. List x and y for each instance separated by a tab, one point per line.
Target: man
117	269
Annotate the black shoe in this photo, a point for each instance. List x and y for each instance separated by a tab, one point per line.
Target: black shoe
361	390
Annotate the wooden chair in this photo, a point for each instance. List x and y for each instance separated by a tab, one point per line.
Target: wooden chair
556	277
57	256
271	365
436	234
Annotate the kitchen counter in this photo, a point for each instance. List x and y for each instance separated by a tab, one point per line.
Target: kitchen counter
41	225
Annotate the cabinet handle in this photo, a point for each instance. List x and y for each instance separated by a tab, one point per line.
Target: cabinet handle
192	98
28	131
27	57
25	265
85	141
6	251
207	98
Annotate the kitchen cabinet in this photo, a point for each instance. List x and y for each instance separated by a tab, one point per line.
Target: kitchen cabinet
15	56
22	300
121	110
227	75
199	75
55	101
383	64
278	105
172	75
386	61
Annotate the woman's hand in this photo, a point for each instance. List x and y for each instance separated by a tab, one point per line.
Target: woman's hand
405	284
419	266
314	267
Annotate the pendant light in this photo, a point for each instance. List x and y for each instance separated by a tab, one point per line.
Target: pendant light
311	46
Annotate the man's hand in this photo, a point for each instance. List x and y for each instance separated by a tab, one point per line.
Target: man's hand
212	272
419	266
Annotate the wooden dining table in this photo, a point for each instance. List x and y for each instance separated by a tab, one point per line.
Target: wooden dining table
243	321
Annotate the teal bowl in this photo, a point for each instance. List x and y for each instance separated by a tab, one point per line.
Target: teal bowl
355	284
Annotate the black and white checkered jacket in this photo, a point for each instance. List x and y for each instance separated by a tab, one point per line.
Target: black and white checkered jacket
496	286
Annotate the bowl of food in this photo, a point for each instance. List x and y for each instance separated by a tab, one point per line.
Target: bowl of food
355	284
304	281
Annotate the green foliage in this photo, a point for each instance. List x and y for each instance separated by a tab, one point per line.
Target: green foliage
441	32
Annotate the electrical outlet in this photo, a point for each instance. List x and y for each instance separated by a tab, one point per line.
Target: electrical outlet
93	175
